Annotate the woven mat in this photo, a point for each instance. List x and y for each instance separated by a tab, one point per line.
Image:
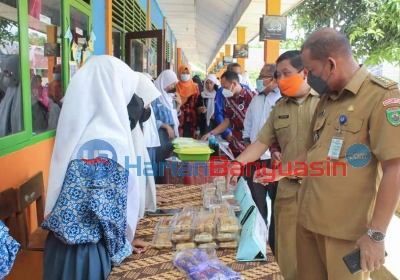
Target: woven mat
157	264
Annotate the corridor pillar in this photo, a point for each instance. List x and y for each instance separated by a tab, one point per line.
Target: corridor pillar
271	47
241	39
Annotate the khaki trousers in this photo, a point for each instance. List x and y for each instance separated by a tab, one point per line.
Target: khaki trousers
285	227
320	257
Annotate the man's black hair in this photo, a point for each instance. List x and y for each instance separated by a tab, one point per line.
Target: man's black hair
230	76
294	58
233	65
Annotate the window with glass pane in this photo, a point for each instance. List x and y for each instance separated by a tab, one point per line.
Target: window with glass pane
11	120
45	63
116	43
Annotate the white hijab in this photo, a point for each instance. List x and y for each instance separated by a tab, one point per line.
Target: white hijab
210	95
95	107
148	92
166	78
150	132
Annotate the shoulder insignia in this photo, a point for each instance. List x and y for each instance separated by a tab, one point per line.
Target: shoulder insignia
283	98
383	82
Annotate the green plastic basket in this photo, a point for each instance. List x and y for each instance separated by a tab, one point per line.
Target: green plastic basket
193	156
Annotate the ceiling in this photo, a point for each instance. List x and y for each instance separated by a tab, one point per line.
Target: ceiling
203	27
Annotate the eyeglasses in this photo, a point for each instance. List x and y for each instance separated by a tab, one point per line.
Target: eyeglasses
264	77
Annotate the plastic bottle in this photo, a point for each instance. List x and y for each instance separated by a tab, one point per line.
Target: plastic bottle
213	144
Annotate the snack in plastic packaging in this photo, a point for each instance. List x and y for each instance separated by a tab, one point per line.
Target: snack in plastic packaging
223	210
219	179
228	224
225	236
211	203
211	245
208	190
200	264
205	224
228	245
161	240
164	223
234	204
182	227
189	245
225	194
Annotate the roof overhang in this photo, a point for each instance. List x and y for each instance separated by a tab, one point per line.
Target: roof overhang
203	27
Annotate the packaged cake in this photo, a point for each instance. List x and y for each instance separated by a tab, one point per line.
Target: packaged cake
204	228
161	240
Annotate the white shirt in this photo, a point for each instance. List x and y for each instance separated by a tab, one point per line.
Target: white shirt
150	134
257	115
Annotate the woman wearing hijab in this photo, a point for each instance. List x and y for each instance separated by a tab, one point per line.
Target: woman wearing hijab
205	105
11	104
166	111
92	203
148	93
199	82
189	92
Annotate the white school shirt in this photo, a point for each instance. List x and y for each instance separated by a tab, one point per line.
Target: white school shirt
257	115
150	134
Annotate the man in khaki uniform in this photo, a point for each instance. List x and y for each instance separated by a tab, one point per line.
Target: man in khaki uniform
357	120
288	124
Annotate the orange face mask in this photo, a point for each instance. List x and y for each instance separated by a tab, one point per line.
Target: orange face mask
290	85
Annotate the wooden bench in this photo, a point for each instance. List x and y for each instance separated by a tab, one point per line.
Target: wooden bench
28	264
29	192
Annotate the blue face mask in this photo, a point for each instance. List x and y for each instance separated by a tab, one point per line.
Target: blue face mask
57	76
260	86
185	77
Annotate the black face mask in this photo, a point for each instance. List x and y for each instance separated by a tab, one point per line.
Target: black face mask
146	113
318	84
172	90
135	109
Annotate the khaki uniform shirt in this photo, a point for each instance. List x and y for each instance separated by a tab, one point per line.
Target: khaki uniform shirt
289	124
340	204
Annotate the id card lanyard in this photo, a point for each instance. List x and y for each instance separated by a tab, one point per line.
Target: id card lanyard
337	141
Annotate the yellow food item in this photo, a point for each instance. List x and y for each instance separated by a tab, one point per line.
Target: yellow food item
161	240
228	224
190	245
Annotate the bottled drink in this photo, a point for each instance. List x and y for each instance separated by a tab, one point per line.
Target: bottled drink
213	144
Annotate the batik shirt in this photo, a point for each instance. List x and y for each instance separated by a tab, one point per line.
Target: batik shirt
235	109
92	205
8	251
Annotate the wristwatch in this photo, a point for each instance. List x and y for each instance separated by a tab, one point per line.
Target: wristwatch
376	235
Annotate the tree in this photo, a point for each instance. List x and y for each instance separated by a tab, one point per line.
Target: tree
372	26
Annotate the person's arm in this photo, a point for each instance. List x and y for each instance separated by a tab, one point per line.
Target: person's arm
275	147
219	110
247	124
385	145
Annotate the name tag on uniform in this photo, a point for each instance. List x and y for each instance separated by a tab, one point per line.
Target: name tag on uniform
336	147
284	117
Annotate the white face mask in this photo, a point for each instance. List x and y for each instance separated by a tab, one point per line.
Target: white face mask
185	77
227	93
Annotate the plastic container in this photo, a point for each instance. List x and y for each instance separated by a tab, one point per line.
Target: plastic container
228	224
224	210
234	204
209	190
164	223
228	245
211	203
204	228
182	227
194	153
183	140
211	245
161	240
192	209
225	194
181	246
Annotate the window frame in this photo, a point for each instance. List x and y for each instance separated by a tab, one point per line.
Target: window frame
14	142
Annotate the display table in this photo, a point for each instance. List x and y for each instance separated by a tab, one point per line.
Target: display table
158	264
191	173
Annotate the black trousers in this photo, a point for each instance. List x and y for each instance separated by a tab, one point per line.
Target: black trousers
259	193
